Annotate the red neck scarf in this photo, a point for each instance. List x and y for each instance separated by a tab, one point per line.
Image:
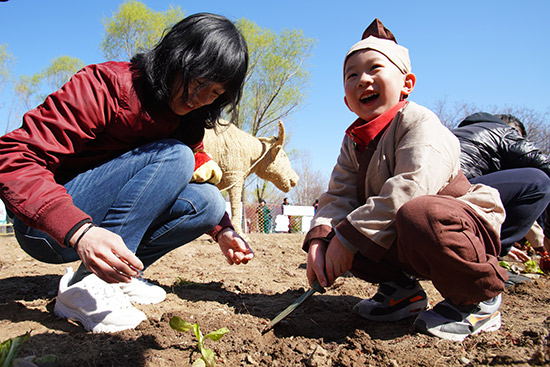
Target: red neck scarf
363	132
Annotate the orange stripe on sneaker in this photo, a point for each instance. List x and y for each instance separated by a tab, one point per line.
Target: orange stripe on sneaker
474	320
393	302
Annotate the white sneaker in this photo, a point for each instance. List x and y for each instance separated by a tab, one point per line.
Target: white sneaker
141	291
96	304
449	321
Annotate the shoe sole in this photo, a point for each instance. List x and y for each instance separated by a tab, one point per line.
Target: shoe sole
63	311
492	325
146	301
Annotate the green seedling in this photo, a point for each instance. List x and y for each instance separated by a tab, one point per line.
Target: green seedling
182	282
208	358
10	348
531	266
505	265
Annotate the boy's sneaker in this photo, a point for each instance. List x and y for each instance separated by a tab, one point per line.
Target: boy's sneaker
97	305
449	321
141	291
393	302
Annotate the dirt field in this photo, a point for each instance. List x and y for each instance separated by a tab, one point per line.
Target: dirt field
203	288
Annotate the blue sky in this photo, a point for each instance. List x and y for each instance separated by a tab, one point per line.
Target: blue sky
482	52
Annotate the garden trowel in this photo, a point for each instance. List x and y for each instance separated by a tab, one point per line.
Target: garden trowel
316	287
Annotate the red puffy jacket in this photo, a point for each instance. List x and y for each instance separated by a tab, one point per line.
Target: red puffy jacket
95	117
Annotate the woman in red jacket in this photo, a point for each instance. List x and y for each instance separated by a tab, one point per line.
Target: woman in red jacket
107	169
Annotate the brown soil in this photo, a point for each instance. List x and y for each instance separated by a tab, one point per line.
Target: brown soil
203	288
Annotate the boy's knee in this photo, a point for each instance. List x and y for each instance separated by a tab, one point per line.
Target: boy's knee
425	214
413	212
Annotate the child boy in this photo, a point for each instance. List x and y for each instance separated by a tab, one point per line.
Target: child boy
399	207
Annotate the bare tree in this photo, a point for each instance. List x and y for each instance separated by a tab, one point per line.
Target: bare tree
312	182
536	123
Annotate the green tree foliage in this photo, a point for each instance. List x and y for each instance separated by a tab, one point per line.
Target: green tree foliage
135	27
275	85
6	63
26	90
31	90
59	72
277	76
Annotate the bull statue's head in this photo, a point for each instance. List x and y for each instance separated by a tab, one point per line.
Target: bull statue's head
275	166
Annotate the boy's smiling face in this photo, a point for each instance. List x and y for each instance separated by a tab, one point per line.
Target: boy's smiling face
373	84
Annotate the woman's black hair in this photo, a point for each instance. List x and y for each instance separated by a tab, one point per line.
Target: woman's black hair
201	46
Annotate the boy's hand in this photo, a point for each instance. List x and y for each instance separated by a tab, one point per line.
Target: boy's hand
316	263
338	259
234	247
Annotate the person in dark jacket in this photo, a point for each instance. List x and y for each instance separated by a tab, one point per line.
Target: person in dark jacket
110	169
495	152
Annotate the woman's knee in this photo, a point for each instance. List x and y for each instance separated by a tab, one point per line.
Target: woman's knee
213	202
205	201
180	158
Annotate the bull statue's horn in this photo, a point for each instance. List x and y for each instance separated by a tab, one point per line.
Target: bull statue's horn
281	137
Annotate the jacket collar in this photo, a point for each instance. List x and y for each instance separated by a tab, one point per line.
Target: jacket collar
362	132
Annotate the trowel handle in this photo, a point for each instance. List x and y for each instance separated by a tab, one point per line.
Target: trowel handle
317	287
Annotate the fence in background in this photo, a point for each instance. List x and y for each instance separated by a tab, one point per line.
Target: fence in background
6	229
277	218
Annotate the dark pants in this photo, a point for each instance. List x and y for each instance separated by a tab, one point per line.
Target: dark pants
525	194
441	239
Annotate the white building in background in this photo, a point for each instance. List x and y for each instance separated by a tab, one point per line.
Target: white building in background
3	215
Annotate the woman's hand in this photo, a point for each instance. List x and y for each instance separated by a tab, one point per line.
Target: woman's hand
234	247
106	255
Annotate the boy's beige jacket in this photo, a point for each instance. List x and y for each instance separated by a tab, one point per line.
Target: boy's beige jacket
416	156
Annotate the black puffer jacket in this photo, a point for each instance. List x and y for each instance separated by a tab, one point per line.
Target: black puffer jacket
488	145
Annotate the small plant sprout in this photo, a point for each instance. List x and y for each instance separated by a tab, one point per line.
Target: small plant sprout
208	358
9	350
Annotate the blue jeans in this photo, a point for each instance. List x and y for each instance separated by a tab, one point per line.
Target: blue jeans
145	197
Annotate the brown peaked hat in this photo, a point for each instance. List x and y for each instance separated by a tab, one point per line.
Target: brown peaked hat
377	29
383	41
